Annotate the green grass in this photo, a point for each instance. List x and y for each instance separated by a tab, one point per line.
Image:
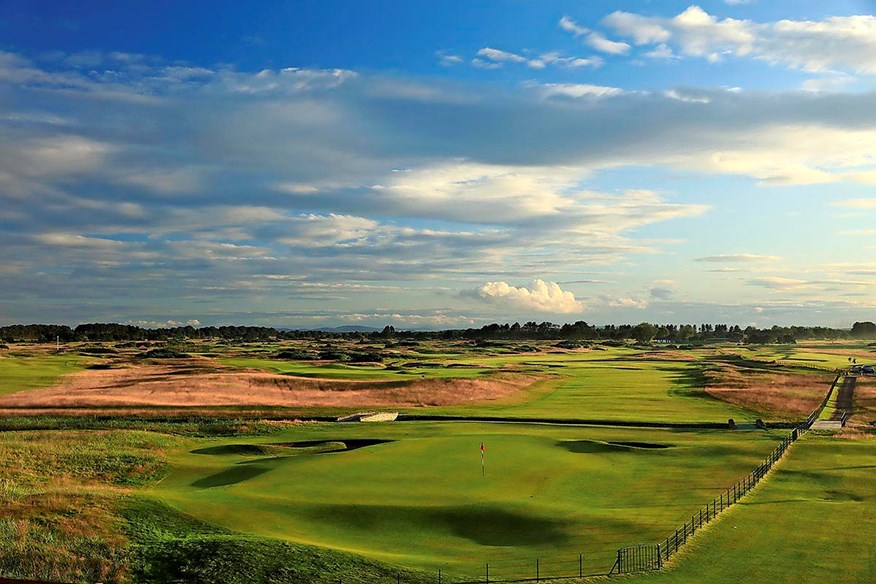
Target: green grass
420	501
810	356
354	372
592	385
621	390
32	372
812	521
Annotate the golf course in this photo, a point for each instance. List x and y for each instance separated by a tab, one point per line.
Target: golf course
584	452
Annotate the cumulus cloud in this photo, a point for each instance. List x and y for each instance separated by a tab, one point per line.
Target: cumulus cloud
541	296
834	43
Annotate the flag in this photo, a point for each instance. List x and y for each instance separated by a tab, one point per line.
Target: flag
483	464
482	448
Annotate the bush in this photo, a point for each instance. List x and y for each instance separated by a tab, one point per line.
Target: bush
165	354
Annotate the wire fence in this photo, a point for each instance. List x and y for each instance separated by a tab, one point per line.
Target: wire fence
645	557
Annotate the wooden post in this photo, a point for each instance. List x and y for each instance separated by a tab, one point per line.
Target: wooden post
580	565
488	572
676	540
659	558
536	569
439	575
619	563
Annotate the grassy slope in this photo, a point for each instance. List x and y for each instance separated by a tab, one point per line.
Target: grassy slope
31	372
813	521
550	492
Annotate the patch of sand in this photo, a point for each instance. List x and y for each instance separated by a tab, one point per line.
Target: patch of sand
188	384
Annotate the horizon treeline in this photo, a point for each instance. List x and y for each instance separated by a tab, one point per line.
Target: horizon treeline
579	331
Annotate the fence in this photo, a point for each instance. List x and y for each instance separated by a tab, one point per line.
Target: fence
640	558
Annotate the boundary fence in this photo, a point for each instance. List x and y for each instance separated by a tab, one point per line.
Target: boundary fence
641	558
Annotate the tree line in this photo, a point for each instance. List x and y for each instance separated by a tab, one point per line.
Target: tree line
578	331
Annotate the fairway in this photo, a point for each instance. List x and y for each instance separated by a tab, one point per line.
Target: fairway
35	371
813	521
418	499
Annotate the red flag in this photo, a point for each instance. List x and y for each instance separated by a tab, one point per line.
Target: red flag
482	447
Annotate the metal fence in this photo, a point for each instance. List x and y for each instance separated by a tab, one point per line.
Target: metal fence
672	544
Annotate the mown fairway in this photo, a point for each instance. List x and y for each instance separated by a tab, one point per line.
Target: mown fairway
419	500
33	371
812	521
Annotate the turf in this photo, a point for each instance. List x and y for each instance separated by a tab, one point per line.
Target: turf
619	390
35	371
812	521
419	500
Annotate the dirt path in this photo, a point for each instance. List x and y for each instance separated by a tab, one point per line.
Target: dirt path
844	398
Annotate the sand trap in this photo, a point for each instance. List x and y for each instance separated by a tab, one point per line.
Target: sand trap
187	384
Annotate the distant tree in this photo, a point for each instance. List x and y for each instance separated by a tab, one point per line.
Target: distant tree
644	332
864	330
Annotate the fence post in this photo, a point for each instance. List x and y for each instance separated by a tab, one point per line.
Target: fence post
659	558
488	572
580	565
536	570
439	575
676	540
619	562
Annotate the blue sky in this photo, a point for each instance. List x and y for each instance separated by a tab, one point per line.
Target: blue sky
438	164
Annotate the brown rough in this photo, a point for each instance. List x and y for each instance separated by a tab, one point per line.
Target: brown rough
187	385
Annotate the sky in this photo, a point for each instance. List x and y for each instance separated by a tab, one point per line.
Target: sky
437	164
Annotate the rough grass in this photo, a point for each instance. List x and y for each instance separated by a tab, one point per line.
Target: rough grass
58	496
778	395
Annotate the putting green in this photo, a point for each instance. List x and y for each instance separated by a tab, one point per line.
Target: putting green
418	499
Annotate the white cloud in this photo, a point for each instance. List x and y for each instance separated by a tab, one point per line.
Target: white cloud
577	90
495	58
571	26
80	241
448	59
600	43
541	296
857	203
738	257
500	56
594	39
838	42
661	51
628	302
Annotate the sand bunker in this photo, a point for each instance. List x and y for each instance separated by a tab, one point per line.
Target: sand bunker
186	384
